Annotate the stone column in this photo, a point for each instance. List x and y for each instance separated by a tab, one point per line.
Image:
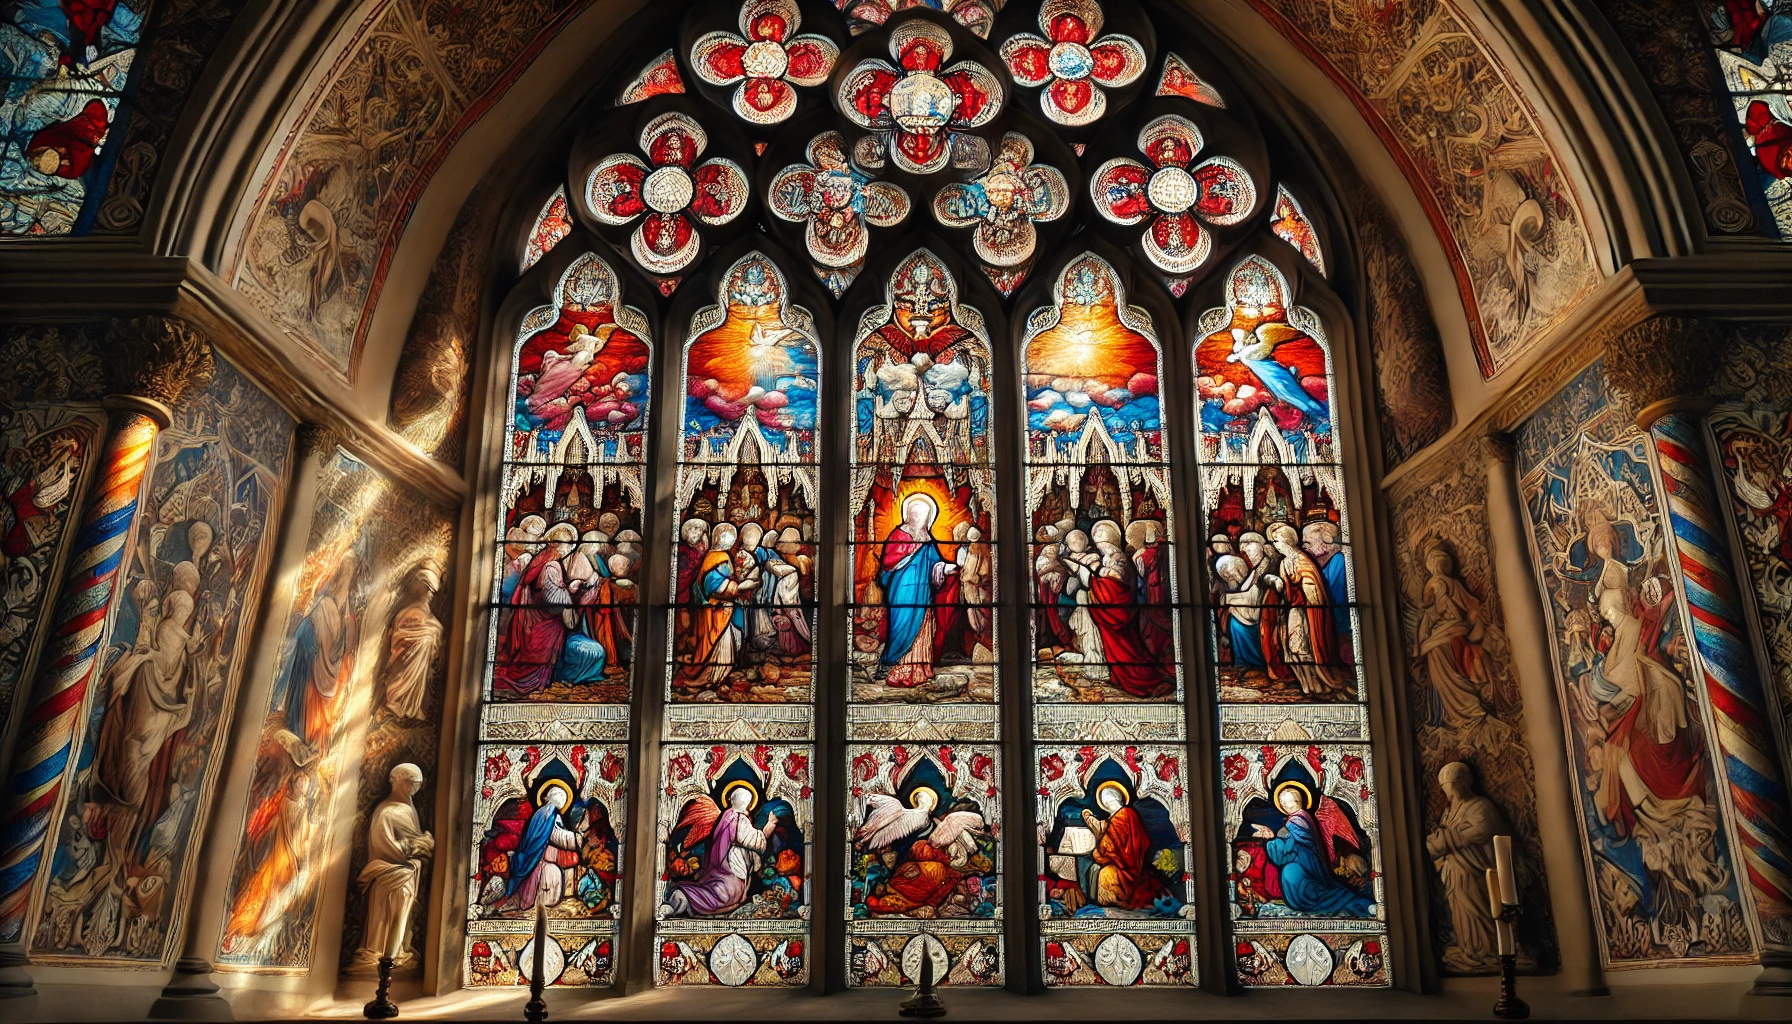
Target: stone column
150	363
192	993
1664	366
1558	807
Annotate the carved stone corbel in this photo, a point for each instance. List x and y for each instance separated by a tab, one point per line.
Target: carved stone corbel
152	362
1664	364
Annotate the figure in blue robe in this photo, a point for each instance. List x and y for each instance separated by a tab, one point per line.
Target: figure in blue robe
910	571
1308	884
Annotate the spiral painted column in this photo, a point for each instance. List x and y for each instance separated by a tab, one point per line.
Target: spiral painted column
153	361
1739	700
1664	365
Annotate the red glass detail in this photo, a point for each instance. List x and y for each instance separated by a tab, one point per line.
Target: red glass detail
768	26
808	60
672	146
1068	28
724	59
921	54
1109	59
971	97
666	233
1072	96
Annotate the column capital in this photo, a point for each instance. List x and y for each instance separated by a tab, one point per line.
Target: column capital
156	358
316	441
1497	446
1663	364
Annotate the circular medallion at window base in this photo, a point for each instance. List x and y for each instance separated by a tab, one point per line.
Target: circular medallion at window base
1308	959
765	59
1171	190
921	103
668	190
1118	961
934	949
1071	61
733	960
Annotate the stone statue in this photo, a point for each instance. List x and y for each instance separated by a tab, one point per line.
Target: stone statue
1462	850
413	638
396	849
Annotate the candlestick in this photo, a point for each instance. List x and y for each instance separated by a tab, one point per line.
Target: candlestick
536	1010
1502	863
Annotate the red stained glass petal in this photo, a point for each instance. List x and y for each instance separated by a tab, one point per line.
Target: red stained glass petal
1028	58
767	95
811	60
979	95
1068	28
665	243
1072	97
614	193
717	58
770	27
1227	194
866	93
1118	191
921	54
674	141
922	153
1176	243
1119	61
721	191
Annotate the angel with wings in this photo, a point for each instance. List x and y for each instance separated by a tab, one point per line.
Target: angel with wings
720	849
925	857
1318	853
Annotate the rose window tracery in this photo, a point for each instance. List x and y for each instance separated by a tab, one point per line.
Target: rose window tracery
669	192
1173	194
835	201
1003	205
1073	63
918	107
765	60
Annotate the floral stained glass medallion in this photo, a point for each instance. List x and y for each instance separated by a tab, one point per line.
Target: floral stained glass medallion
65	72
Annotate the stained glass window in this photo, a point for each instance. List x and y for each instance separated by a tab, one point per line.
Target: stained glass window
924	770
1298	812
891	170
66	74
549	817
1291	225
551	225
1754	51
1114	900
740	721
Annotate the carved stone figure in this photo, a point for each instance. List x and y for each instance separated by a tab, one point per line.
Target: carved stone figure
413	639
1462	849
397	846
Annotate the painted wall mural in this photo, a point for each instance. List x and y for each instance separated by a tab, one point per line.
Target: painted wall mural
1452	117
361	612
1466	708
45	454
416	75
1752	425
1659	849
124	851
1412	387
433	384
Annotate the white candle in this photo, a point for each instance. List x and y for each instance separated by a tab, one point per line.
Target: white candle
1502	932
1502	862
1493	894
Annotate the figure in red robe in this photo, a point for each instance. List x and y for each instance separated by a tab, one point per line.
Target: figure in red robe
67	149
86	20
1133	665
1772	139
